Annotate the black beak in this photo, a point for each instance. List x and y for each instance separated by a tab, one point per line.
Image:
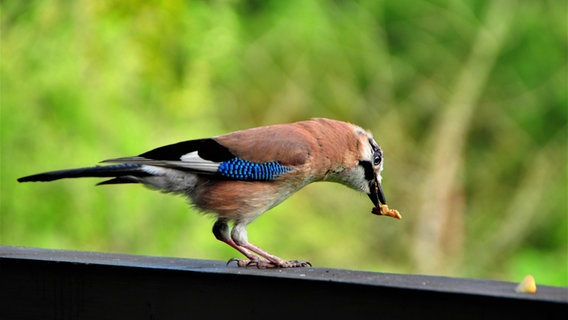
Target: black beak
376	193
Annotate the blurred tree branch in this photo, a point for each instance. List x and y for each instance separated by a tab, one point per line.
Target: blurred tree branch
440	217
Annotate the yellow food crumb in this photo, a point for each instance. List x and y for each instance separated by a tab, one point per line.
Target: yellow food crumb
384	210
528	285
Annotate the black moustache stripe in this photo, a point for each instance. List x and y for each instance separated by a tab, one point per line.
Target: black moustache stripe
368	169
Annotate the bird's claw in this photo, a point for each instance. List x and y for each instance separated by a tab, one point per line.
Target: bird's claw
265	264
260	264
299	263
240	262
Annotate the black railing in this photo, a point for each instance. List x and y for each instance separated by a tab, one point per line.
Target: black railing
55	284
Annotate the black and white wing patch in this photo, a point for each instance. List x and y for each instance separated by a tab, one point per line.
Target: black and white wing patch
208	149
207	156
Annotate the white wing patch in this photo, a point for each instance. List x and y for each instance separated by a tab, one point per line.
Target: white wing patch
198	163
192	156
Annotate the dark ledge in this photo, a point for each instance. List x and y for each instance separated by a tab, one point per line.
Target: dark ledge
56	284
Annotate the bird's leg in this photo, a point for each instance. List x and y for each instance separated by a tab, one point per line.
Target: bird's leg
239	236
221	232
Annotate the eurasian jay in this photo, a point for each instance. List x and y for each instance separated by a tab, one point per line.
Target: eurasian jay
241	175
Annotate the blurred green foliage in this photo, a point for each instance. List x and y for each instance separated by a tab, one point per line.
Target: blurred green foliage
467	98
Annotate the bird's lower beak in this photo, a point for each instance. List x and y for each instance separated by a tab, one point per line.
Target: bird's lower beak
376	193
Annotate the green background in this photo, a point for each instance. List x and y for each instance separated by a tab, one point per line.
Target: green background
467	98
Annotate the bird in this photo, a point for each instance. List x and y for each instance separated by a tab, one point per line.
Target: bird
240	175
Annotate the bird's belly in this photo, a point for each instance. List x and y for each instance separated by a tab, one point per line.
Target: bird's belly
239	200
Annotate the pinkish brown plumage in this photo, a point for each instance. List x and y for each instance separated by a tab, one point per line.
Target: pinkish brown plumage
240	175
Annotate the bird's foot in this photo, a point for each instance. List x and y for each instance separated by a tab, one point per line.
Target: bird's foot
265	264
296	264
243	263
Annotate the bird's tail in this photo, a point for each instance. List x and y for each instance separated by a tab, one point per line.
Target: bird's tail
121	173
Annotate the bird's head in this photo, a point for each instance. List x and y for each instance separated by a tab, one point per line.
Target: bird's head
369	167
361	162
366	173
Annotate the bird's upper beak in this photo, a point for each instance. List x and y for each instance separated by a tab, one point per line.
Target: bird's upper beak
376	193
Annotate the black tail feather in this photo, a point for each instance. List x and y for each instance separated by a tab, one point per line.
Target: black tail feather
117	171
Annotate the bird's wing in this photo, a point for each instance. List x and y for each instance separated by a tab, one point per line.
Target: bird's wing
243	155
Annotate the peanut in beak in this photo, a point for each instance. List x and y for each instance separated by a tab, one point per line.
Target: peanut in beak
383	210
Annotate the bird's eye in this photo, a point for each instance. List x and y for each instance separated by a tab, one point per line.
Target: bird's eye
377	159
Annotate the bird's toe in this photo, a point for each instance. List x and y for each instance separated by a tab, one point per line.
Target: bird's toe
297	264
244	263
265	264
